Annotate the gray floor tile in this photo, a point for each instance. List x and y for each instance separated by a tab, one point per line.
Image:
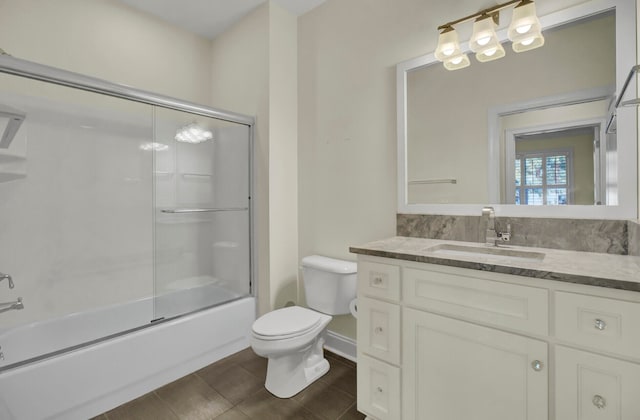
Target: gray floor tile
233	389
147	407
264	406
191	398
234	383
352	414
341	376
233	414
324	400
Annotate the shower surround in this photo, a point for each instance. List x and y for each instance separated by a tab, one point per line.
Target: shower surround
130	248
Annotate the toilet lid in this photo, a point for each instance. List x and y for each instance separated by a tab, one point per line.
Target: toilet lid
286	321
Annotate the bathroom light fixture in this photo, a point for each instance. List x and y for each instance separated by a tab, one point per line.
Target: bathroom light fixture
484	41
449	51
524	32
193	133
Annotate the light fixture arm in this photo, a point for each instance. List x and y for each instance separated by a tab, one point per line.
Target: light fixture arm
491	11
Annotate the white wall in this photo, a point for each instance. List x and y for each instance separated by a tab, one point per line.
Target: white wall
106	39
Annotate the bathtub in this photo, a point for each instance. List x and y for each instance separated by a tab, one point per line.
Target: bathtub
85	381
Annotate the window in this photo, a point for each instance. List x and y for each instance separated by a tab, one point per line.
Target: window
542	178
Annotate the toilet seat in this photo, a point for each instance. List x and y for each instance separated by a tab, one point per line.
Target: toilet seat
286	323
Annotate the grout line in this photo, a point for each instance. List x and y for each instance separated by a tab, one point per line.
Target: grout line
347	410
166	404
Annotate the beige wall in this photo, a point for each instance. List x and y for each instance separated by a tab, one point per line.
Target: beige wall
254	72
106	39
283	156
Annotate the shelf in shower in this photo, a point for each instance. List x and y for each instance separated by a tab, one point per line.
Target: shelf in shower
195	175
11	176
10	158
203	210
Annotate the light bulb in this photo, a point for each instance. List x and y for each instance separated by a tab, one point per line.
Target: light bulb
484	40
523	29
457	60
527	41
490	52
448	51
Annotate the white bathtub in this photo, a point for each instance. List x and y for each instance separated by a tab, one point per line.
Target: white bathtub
92	379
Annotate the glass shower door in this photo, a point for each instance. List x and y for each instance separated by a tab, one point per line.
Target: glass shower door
202	218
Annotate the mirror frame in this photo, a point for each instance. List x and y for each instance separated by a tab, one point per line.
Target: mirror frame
627	207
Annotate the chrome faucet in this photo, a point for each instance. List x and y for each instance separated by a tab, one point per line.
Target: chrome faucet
492	237
9	306
8	278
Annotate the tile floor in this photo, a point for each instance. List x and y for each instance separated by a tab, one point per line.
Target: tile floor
233	389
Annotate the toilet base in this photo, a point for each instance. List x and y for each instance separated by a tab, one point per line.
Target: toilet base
289	374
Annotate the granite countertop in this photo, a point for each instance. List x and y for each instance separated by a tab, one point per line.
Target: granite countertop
595	269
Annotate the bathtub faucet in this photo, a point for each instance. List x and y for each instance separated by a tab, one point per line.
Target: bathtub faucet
9	306
8	278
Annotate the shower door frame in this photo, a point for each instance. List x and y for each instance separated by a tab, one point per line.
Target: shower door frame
31	70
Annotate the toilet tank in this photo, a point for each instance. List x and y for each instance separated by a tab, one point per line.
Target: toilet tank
329	284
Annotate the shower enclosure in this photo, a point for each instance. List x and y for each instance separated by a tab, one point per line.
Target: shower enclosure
121	211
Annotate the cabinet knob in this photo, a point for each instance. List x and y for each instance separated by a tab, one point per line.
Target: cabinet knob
599	401
537	365
379	390
377	281
378	330
600	324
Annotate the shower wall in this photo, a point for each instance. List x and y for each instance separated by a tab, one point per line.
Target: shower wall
75	227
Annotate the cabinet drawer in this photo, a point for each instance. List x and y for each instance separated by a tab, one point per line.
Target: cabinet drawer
599	323
379	329
379	280
378	389
592	387
462	293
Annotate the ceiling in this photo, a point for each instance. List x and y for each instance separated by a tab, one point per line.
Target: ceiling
209	18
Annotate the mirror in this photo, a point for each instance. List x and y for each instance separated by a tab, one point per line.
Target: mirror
526	133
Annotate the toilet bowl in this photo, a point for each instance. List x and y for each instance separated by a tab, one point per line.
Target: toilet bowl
292	338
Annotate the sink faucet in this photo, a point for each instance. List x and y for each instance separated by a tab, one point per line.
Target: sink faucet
8	278
492	237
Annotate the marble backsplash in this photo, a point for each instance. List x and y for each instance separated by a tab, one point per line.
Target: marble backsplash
604	236
634	237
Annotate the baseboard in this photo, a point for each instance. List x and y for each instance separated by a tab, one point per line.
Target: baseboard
341	345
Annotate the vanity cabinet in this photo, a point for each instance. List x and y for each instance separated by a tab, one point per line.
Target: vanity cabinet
445	343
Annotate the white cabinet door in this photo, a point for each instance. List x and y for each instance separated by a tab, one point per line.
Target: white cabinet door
593	387
455	370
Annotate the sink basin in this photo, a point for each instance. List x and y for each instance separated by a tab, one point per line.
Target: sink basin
492	253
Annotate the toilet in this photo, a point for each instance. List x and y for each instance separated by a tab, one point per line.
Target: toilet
292	338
